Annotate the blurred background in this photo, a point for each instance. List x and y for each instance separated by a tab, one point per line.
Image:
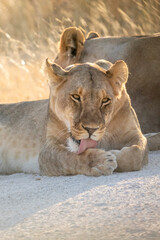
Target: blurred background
30	31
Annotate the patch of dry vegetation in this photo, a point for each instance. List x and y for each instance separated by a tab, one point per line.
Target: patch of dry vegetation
30	31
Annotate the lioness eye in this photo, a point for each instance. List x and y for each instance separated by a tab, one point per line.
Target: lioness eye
76	97
106	101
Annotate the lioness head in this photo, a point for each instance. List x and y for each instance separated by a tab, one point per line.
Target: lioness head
85	97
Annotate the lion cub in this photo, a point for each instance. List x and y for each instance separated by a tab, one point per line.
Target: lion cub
87	126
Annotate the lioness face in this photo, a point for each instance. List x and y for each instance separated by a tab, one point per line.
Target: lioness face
84	98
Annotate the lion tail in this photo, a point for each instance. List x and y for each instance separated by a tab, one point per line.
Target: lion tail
153	140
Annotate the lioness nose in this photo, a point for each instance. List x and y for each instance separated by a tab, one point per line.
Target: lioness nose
90	130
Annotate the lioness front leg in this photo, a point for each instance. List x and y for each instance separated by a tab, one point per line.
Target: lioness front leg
56	160
131	158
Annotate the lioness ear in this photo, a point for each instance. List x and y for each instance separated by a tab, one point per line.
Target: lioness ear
104	64
71	42
54	72
92	35
118	76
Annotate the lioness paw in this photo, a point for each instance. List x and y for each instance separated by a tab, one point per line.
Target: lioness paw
103	163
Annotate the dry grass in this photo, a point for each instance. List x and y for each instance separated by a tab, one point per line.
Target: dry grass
30	31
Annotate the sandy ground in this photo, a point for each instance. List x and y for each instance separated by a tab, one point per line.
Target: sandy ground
123	206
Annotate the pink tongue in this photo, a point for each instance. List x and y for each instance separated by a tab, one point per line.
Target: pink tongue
86	143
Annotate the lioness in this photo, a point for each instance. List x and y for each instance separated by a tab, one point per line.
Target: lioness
87	126
142	55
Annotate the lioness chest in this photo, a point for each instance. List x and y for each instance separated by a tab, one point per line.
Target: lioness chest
21	132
